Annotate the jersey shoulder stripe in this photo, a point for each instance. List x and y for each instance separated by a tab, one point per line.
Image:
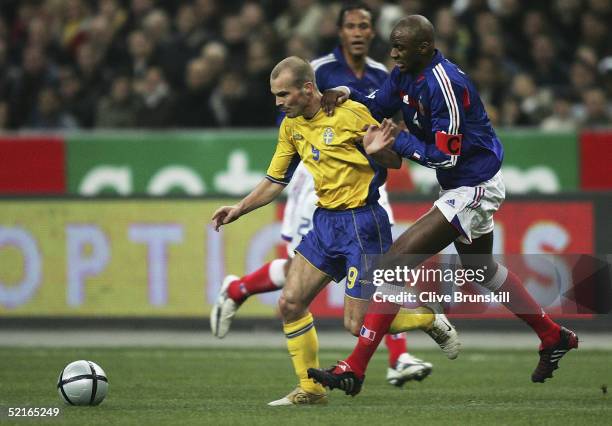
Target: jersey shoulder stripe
449	98
316	63
375	64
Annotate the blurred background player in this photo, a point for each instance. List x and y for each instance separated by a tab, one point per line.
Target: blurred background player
348	64
449	130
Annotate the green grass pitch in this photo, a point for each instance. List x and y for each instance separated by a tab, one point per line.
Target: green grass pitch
157	386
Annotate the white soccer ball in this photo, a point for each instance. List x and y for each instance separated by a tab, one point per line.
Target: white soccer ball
82	383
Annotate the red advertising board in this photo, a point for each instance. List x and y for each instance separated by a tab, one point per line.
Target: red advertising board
522	227
32	165
595	160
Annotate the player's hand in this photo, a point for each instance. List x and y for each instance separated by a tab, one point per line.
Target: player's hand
225	215
394	129
378	138
332	98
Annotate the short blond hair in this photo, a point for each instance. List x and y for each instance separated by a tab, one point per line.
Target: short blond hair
300	69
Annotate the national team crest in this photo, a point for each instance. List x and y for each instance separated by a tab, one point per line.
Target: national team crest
328	135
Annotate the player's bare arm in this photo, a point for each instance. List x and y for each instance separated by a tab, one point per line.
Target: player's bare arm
333	97
264	193
377	143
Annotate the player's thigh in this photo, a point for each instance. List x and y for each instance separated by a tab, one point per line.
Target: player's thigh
478	254
354	313
304	281
426	237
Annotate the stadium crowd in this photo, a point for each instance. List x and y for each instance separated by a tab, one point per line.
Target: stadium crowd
69	64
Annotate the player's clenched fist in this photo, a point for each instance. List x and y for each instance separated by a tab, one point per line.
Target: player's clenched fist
225	215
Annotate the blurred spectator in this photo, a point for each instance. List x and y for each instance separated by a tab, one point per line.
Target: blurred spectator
300	18
596	108
156	101
141	53
215	53
77	101
490	81
547	69
193	107
156	27
582	76
235	38
49	113
35	73
451	39
562	118
533	102
120	107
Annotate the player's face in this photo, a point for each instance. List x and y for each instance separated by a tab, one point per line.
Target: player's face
290	99
356	33
404	50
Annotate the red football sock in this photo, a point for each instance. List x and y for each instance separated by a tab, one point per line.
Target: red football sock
253	283
525	307
376	323
396	343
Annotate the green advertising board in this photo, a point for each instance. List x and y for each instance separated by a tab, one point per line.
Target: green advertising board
233	162
534	162
161	163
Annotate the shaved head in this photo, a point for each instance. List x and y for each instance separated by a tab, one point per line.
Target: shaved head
417	27
299	68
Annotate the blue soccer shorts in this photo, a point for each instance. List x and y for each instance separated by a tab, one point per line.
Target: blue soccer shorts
339	239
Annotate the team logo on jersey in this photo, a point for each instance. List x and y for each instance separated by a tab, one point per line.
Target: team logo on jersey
328	135
297	137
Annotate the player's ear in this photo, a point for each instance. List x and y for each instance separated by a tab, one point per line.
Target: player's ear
309	87
424	47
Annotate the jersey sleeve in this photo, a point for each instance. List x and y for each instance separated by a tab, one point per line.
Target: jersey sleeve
321	79
409	146
447	114
285	159
382	103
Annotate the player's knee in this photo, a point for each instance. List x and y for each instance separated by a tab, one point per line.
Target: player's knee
352	326
290	306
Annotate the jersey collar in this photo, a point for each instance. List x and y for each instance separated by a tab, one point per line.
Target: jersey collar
437	58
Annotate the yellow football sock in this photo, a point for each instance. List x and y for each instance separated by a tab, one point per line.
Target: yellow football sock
303	346
409	319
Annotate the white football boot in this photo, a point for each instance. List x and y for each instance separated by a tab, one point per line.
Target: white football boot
445	335
224	310
408	368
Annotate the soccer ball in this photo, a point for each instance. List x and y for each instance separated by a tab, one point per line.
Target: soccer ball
82	383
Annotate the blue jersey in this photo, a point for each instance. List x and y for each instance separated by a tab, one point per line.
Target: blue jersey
440	106
333	71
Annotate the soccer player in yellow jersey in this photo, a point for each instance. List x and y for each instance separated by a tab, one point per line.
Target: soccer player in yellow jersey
348	222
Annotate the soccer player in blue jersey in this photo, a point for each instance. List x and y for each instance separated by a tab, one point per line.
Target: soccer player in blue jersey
348	64
448	130
349	222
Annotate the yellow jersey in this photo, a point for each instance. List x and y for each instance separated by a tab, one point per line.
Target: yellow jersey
344	176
